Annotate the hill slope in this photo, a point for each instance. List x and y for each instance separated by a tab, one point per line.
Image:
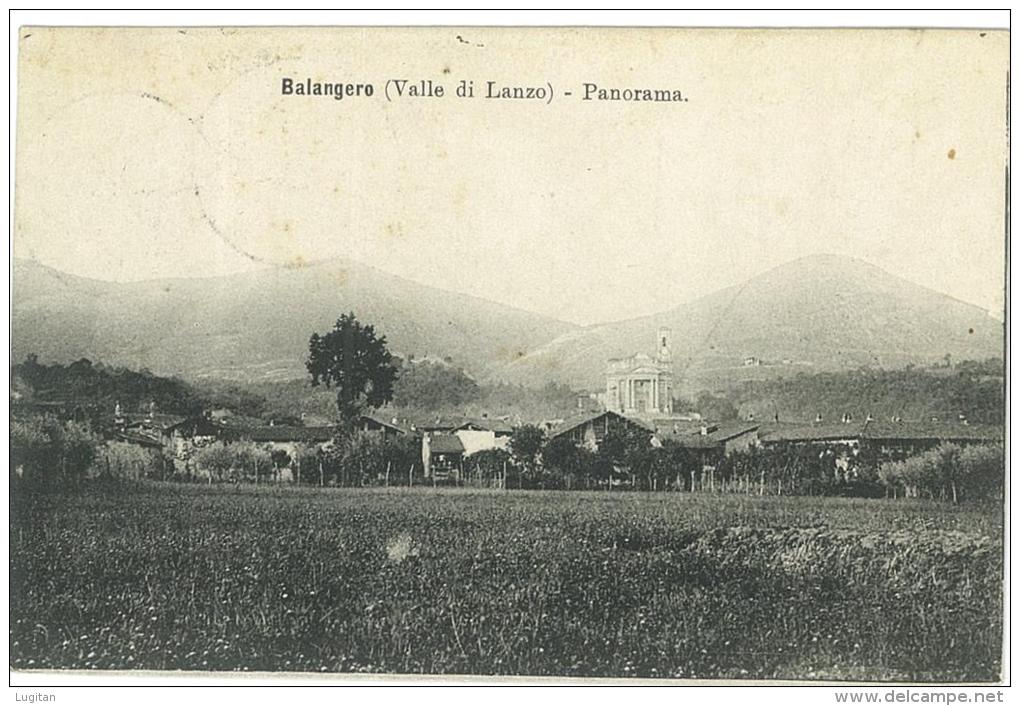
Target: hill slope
815	313
256	325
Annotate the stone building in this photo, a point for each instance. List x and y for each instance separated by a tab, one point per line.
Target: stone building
642	384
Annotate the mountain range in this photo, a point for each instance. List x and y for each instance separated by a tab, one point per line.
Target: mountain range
815	313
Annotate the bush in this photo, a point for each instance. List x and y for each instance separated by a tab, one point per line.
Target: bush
984	467
367	458
216	460
251	462
48	453
947	472
123	461
239	461
488	465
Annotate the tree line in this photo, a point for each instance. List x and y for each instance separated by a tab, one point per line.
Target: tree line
49	454
974	389
95	388
947	472
353	362
349	460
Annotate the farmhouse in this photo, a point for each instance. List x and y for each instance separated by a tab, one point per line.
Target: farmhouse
280	437
589	430
139	439
445	444
386	428
443	424
442	455
897	440
499	427
642	385
780	434
709	442
893	440
172	433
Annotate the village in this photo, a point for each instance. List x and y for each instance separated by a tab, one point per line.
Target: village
609	434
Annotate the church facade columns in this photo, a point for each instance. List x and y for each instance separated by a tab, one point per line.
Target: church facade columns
641	383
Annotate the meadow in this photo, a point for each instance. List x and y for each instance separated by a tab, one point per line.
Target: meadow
424	581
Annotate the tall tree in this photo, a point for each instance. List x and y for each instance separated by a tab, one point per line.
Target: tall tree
568	462
352	359
525	445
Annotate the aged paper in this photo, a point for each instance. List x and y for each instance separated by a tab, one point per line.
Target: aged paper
648	304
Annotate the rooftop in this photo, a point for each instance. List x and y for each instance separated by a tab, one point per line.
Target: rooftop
164	422
486	424
580	419
139	438
386	422
689	435
280	433
874	429
445	444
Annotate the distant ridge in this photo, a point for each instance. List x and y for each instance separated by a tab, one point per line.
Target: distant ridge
256	325
816	313
819	312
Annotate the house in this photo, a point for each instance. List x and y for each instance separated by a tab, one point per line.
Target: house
386	427
446	443
897	440
475	440
442	455
158	432
439	424
885	441
281	437
175	434
483	434
220	414
499	427
590	429
786	434
139	439
736	436
710	442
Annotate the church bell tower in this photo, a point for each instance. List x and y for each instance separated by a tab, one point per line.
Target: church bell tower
665	355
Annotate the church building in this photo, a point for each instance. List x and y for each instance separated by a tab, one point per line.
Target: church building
642	385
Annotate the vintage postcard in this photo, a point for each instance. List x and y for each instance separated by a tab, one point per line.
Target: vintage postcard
639	354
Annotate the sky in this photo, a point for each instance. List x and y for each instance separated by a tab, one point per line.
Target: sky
172	153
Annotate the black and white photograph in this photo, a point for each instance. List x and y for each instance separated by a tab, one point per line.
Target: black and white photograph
509	355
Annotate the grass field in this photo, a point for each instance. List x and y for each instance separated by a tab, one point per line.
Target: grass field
536	583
